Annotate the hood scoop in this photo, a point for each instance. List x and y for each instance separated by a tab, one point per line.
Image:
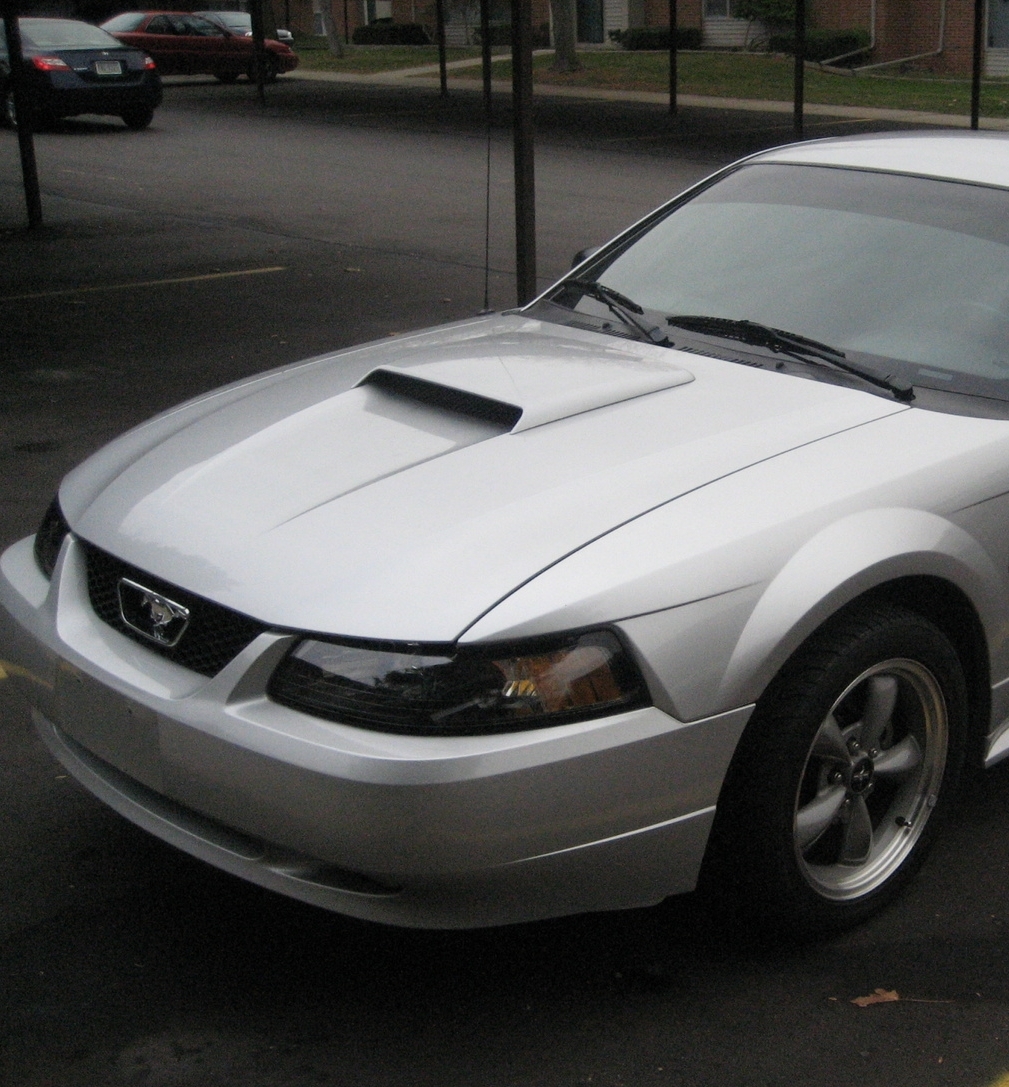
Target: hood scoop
517	392
406	386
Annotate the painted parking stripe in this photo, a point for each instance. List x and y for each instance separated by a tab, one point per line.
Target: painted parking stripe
144	283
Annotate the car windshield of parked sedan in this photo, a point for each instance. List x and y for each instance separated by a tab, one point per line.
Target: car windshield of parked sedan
905	276
60	34
125	23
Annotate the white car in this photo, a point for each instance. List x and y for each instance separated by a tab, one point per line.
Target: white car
693	571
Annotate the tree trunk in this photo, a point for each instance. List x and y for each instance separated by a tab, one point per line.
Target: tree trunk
329	27
565	36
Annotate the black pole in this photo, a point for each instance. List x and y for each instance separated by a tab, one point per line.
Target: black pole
672	56
26	143
800	63
346	23
485	56
522	129
439	10
259	46
975	81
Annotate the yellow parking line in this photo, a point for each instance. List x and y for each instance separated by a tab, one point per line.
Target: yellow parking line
143	283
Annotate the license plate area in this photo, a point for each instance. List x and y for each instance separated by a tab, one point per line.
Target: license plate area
108	67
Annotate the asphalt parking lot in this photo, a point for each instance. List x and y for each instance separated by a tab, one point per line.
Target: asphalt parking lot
230	238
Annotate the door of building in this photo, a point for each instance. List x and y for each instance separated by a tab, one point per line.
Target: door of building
590	20
998	24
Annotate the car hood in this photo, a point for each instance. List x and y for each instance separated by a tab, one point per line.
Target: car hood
400	490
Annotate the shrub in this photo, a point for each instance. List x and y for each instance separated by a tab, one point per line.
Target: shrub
384	33
769	12
657	37
501	34
822	44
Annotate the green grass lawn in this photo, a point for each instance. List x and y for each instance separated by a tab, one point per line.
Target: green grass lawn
314	55
725	75
769	77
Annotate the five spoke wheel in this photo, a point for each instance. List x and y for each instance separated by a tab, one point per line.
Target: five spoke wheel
871	778
842	776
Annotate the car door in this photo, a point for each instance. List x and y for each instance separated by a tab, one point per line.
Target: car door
212	49
158	37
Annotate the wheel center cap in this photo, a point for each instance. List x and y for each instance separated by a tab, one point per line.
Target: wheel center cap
861	775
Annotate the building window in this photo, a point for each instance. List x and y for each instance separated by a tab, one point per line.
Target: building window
719	9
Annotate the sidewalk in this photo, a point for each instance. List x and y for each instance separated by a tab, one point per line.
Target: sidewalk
428	76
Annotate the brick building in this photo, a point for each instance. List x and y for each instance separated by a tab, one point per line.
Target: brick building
935	34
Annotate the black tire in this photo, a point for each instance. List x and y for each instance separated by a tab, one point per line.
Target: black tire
226	77
39	119
270	72
842	778
138	117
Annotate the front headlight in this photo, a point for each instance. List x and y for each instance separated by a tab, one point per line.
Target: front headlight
412	689
49	538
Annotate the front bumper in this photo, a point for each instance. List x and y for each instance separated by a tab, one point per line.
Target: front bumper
424	831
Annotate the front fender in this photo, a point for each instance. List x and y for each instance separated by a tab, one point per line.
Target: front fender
842	561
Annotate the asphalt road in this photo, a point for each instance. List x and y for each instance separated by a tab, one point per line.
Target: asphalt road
230	238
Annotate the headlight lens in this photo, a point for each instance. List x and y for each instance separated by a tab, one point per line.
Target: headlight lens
49	538
425	691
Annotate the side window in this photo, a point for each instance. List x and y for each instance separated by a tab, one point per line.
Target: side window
202	27
160	25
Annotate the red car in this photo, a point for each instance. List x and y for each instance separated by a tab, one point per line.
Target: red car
184	44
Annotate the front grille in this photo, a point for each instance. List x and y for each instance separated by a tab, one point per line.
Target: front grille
215	634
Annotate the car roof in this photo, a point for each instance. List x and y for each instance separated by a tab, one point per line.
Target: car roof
978	157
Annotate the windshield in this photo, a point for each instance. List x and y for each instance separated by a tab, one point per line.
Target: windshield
909	273
122	24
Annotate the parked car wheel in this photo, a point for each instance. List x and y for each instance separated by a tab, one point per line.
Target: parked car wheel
40	119
843	774
270	71
139	117
226	77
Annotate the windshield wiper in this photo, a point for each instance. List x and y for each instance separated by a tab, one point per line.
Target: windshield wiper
787	343
621	306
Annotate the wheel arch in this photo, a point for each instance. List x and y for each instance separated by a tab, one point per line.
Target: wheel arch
919	560
950	610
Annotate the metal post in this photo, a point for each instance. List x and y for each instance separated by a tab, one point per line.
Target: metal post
975	82
485	56
259	45
672	56
439	9
800	63
346	23
522	129
26	143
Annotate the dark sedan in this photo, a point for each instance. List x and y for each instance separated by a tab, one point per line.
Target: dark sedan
72	68
183	44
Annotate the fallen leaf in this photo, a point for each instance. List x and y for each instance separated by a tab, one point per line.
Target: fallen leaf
877	996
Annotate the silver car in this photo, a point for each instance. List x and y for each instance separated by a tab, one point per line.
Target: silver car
693	572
